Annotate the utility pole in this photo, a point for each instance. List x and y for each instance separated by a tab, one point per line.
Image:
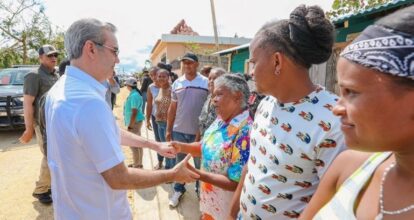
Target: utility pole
213	14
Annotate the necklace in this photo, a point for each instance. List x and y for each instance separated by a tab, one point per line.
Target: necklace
380	215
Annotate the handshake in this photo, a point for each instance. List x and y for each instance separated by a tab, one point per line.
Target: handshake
183	171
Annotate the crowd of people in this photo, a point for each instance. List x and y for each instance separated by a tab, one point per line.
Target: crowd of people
281	159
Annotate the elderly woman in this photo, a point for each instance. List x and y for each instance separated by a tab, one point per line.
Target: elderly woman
133	118
295	136
208	112
376	79
224	148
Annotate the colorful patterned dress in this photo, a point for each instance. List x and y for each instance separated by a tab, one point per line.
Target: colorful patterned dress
292	145
224	150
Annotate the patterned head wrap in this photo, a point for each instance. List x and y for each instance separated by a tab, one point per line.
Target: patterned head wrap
383	49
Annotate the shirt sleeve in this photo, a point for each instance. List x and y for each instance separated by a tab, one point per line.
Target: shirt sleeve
174	97
31	84
99	135
115	89
240	154
136	101
328	149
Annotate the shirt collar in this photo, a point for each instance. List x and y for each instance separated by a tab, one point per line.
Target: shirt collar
238	120
77	73
45	70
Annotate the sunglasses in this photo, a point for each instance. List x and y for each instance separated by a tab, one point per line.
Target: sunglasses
52	55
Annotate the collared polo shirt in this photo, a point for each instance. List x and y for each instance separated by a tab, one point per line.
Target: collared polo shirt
36	84
190	97
133	101
83	142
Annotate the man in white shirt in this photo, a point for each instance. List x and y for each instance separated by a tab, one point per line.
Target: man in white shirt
84	143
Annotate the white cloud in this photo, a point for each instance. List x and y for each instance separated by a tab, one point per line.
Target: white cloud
141	23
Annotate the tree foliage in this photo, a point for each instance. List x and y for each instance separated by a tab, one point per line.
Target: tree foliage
343	7
24	27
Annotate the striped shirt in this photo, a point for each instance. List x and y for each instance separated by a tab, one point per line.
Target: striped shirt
190	97
341	206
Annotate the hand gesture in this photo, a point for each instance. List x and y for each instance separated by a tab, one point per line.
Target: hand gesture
166	149
176	146
26	136
183	171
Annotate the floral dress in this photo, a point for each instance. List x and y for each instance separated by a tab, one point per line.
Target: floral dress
224	150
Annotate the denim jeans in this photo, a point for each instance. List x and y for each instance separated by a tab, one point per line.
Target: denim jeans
162	129
186	138
144	101
157	136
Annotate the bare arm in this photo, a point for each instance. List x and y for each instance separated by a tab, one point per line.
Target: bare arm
172	110
148	109
121	177
189	148
28	118
341	168
130	139
235	202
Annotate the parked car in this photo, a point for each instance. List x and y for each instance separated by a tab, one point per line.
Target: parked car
11	97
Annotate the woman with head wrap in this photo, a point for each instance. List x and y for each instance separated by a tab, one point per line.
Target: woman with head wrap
376	79
294	136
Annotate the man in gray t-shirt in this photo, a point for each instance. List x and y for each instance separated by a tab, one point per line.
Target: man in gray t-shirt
188	94
36	84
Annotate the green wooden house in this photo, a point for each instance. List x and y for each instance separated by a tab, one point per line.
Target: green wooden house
238	57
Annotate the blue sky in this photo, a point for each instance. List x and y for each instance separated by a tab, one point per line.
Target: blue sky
141	23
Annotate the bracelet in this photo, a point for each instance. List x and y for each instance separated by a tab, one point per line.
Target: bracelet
129	128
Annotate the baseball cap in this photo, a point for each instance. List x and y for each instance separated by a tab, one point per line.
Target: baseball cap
189	56
47	49
131	81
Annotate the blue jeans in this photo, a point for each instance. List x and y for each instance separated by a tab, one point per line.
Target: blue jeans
157	136
144	100
162	129
186	138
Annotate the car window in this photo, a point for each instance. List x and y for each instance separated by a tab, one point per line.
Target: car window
13	76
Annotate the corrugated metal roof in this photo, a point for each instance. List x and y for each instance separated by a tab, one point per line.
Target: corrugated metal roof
221	52
363	12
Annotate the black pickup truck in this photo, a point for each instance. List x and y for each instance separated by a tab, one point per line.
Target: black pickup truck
11	97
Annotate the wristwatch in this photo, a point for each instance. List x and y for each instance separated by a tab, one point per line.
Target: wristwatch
129	128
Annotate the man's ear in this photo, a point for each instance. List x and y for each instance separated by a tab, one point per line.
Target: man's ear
89	49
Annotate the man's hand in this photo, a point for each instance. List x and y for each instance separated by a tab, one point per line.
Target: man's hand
183	171
148	123
26	136
166	149
176	146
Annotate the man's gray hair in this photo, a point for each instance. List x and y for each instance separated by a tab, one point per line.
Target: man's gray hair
235	83
81	31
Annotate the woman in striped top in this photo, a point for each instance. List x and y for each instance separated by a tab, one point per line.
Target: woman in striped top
376	79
